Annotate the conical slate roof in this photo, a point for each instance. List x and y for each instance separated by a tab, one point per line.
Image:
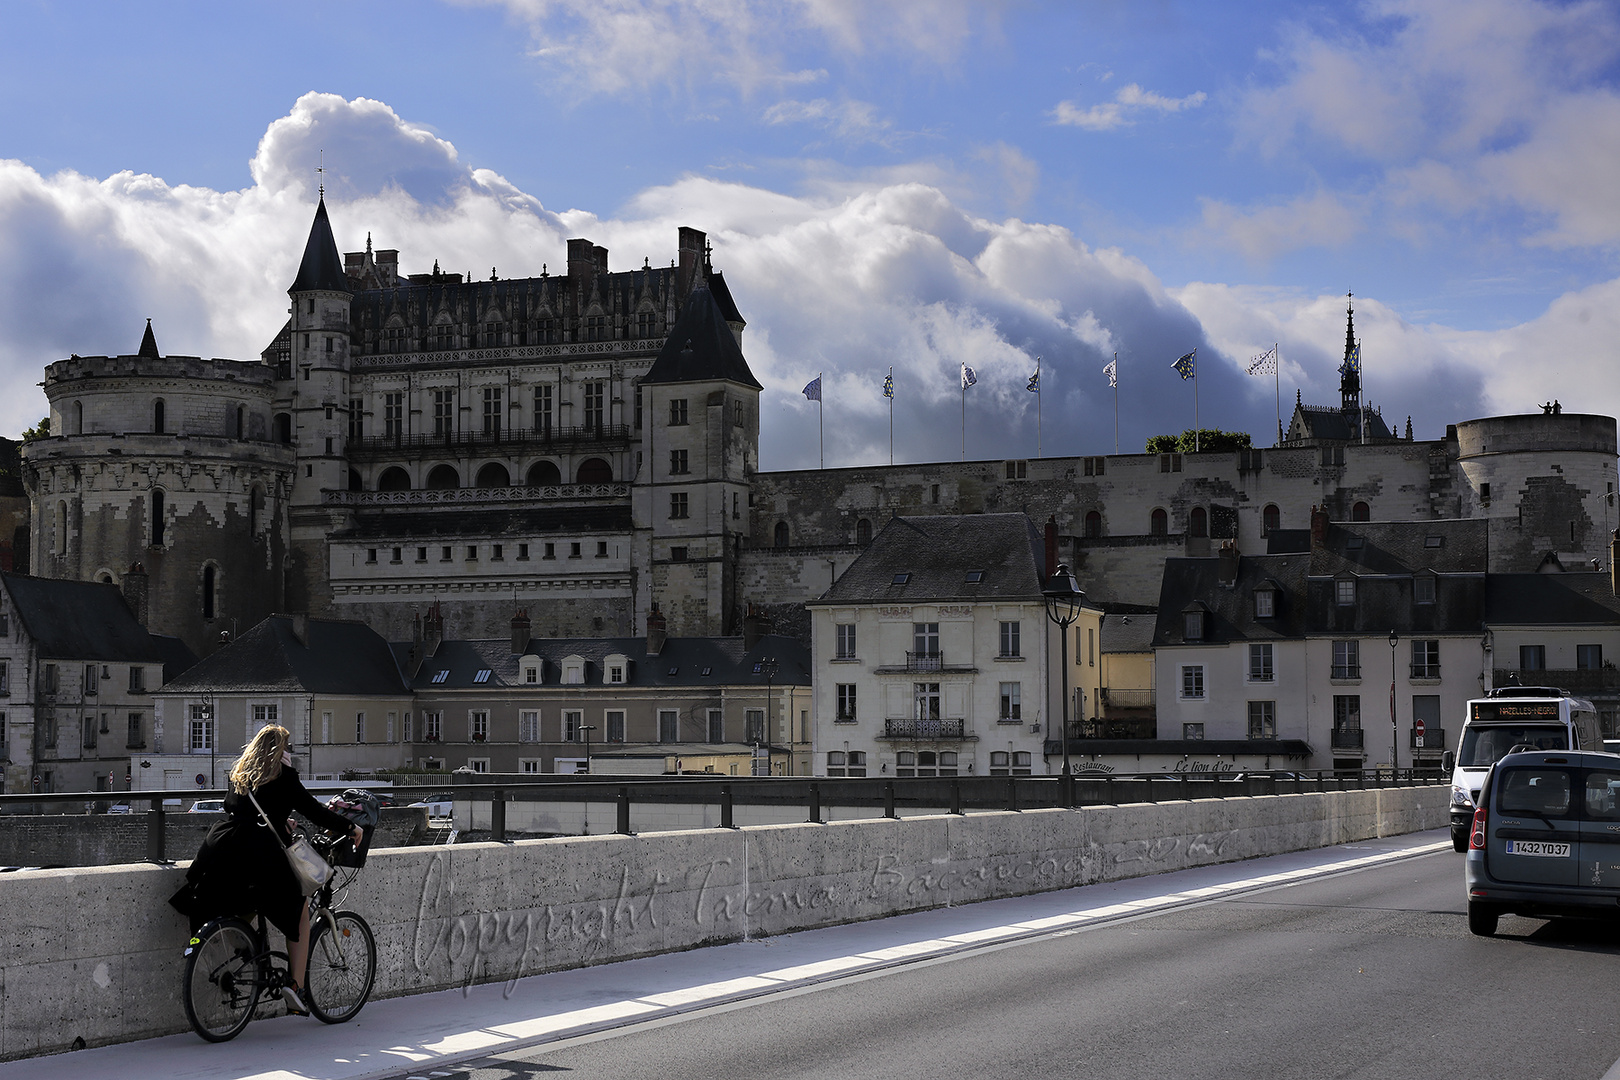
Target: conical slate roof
701	347
148	343
322	268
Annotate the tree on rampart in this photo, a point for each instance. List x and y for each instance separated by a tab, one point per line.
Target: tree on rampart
1209	441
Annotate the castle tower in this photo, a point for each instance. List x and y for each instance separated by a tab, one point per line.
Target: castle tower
169	462
316	397
700	449
1350	376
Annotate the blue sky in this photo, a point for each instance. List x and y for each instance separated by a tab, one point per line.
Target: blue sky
885	183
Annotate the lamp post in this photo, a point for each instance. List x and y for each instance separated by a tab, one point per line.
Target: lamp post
1063	603
586	729
1394	732
768	665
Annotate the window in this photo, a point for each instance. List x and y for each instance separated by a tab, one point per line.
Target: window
1260	666
1093	466
1532	657
134	739
1012	703
201	728
677	412
1017	470
444	412
716	726
678	504
779	536
1192	681
1262	719
925	638
405	727
1192	732
92	679
1423	589
5	676
1015	763
613	724
1169	463
492	411
1193	625
1485	494
157	417
359	727
678	553
678	463
926	763
444	553
846	641
1091	647
1270	519
1265	603
356	419
88	726
529	765
478	724
1009	639
264	716
1344	592
1346	660
1425	659
326	727
1361	512
1588	657
157	522
842	763
50	678
496	552
925	700
573	723
5	624
394	415
1346	712
1426	707
478	764
669	725
595	394
1093	527
371	555
1198	522
846	704
1159	523
542	411
433	726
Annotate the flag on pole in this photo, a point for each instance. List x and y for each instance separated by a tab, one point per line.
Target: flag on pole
1265	363
1111	369
1034	386
1187	367
1352	363
888	385
969	377
812	389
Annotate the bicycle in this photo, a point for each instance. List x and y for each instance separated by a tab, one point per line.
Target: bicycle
230	967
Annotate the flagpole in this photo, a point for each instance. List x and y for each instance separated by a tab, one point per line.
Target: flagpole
1195	399
963	381
821	430
1276	365
1116	403
891	416
1037	406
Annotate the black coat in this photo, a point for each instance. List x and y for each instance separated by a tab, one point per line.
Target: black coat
241	868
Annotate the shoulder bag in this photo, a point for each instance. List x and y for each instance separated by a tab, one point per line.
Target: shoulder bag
308	867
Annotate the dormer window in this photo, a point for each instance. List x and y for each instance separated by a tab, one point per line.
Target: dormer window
441	676
1423	589
1344	592
1192	624
1265	603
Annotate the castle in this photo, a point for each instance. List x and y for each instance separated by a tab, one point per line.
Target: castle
586	446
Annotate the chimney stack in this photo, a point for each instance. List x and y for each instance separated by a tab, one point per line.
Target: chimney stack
690	242
135	586
756	624
520	632
300	629
1319	526
432	630
655	632
1228	563
1051	546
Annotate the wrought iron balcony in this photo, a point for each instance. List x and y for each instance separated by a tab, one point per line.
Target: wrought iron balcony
1347	738
1120	698
470	496
1117	728
1434	738
911	727
925	661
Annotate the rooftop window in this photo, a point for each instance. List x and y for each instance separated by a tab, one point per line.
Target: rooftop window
482	676
902	578
975	576
1433	541
439	677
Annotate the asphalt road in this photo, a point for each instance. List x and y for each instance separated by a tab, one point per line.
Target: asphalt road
1364	974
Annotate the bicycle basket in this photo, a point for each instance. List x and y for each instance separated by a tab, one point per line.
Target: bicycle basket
360	807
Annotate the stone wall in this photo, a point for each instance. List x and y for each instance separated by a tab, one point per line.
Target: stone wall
448	917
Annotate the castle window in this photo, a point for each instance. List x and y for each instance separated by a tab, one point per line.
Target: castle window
544	474
679	506
329	344
394	478
497	551
1017	470
1361	512
444	412
736	413
677	412
492	411
601	549
208	592
397	555
1093	525
863	531
442	477
394	415
241	422
284	429
493	475
1159	523
157	521
678	462
357	419
421	554
472	552
1270	519
595	394
444	553
157	417
551	551
677	553
371	555
523	551
780	539
542	411
1198	522
594	471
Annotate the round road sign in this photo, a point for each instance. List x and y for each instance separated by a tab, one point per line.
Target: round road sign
1418	728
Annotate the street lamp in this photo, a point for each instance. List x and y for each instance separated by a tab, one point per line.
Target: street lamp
586	730
768	665
1063	603
1394	733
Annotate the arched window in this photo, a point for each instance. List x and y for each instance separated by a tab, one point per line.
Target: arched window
78	418
781	538
394	478
863	531
1093	524
545	474
157	517
255	510
594	471
1270	519
157	417
208	585
60	539
493	475
1198	522
284	428
1159	525
442	477
355	483
1361	512
241	422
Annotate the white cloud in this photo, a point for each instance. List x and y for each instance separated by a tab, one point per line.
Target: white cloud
852	121
1323	219
1120	112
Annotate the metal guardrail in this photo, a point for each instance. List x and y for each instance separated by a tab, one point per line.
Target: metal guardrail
912	728
958	793
1127	698
1116	728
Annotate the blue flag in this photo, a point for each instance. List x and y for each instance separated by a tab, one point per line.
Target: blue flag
1187	367
1352	363
969	377
812	389
888	385
1034	386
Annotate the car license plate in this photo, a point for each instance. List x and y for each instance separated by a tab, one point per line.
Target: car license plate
1543	848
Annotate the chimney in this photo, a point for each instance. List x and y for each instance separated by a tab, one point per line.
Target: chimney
300	629
1614	571
690	243
520	632
655	632
1319	526
432	630
756	625
1228	563
1051	546
599	255
581	269
135	584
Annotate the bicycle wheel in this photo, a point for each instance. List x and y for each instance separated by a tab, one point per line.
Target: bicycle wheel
342	967
222	979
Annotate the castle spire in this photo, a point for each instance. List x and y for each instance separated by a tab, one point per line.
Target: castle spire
322	268
1350	373
148	343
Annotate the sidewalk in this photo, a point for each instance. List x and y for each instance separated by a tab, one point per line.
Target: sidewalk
410	1036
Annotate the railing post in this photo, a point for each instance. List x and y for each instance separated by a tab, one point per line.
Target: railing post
956	795
497	817
725	807
888	799
815	804
154	830
1012	792
1066	791
623	825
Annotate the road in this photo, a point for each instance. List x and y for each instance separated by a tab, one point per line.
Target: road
1370	973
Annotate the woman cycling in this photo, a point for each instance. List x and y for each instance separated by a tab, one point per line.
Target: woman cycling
242	868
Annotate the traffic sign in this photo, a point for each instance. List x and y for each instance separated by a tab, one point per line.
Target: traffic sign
202	780
1418	726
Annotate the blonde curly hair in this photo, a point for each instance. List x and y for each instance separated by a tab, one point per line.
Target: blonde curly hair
260	762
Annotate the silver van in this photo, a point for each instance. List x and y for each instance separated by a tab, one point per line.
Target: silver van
1537	717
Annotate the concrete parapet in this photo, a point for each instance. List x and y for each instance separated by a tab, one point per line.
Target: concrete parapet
96	954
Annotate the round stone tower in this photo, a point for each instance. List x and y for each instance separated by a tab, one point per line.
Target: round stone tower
166	461
1546	482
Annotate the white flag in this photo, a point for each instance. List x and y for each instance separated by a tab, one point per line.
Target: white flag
968	377
1111	369
1265	363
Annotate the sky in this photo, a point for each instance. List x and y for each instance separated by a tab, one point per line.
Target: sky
885	183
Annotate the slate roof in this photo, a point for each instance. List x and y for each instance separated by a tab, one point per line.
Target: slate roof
1127	634
322	267
938	552
1454	546
722	296
456	520
1230	608
341	657
1573	599
680	663
701	347
1328	422
148	348
86	620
